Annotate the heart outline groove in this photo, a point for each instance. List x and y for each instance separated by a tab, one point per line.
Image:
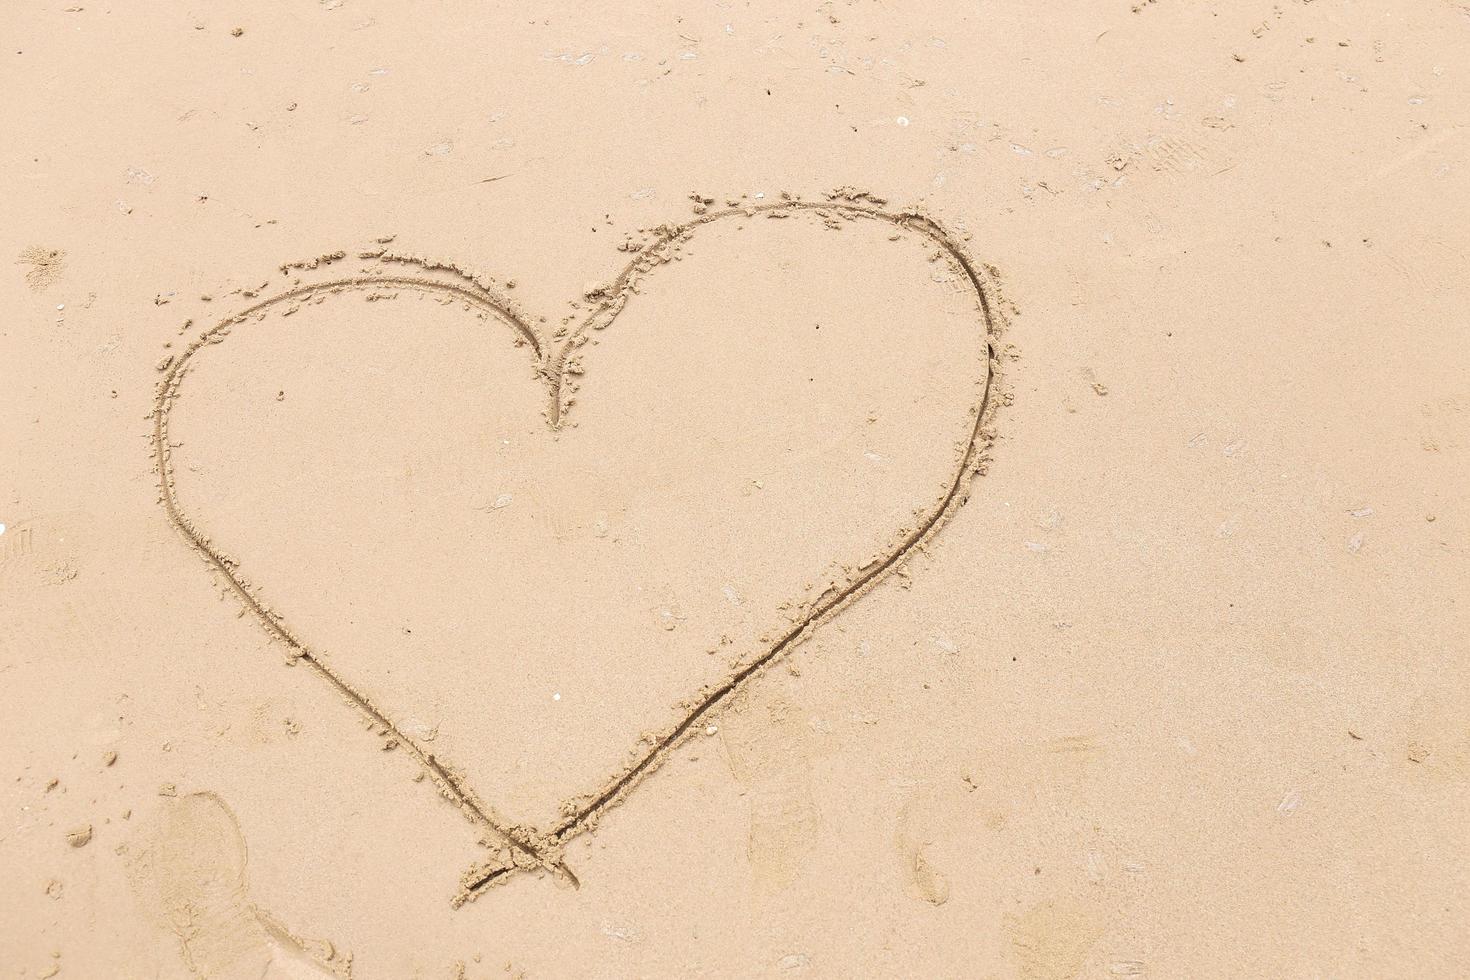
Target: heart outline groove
527	848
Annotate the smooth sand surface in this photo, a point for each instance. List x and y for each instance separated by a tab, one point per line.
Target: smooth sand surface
735	490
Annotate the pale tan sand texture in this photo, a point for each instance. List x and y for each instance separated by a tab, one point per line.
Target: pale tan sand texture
734	490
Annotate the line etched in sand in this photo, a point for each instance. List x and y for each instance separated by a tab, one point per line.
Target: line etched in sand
527	847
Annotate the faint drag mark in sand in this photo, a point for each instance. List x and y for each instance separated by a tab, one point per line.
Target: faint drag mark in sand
46	265
1430	266
191	872
766	749
381	276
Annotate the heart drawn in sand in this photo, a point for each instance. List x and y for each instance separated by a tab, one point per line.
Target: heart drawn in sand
513	586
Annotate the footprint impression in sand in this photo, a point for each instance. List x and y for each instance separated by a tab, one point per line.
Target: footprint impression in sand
190	872
562	547
766	747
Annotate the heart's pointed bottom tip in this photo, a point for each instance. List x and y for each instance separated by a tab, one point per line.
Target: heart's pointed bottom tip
477	884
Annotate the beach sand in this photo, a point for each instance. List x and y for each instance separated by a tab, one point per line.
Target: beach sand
735	490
